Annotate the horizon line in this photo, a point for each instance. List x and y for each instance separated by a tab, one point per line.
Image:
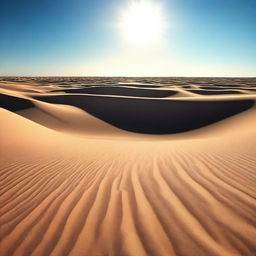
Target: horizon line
120	76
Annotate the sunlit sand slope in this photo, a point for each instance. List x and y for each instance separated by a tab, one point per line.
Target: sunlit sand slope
152	116
73	184
64	196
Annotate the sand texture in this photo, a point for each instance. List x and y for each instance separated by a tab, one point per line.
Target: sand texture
128	166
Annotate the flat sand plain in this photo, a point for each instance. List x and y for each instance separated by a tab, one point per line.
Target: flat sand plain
127	166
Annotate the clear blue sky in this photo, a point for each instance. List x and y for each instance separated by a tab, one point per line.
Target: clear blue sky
79	37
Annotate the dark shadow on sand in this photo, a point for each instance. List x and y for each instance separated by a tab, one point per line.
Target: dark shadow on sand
14	103
123	91
217	92
153	116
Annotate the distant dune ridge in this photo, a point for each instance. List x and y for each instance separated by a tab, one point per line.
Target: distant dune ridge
123	91
153	116
128	166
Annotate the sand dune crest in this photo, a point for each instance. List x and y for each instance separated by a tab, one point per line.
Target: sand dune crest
114	192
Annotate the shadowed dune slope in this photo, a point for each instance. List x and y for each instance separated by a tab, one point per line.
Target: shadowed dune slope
153	116
75	121
14	103
251	89
141	85
215	92
124	91
64	196
110	192
72	120
205	87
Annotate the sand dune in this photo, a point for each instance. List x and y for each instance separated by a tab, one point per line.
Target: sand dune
14	103
125	91
153	116
72	120
114	192
215	92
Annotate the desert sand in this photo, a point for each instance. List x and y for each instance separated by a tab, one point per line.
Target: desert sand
128	166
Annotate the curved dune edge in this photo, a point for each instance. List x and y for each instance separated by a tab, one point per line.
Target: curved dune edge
123	91
115	193
66	118
153	116
77	122
63	195
136	115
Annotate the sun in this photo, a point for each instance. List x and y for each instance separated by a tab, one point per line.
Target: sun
142	23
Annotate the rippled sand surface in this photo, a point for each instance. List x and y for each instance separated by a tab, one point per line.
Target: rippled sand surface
128	166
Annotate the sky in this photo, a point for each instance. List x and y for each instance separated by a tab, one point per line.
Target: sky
90	38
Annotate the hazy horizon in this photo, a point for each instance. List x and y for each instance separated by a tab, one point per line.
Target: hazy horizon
129	38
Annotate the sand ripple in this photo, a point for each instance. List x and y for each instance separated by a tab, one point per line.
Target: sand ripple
163	203
72	184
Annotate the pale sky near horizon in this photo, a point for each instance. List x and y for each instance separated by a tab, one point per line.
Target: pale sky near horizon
128	38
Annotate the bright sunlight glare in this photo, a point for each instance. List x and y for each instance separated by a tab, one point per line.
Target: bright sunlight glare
142	23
